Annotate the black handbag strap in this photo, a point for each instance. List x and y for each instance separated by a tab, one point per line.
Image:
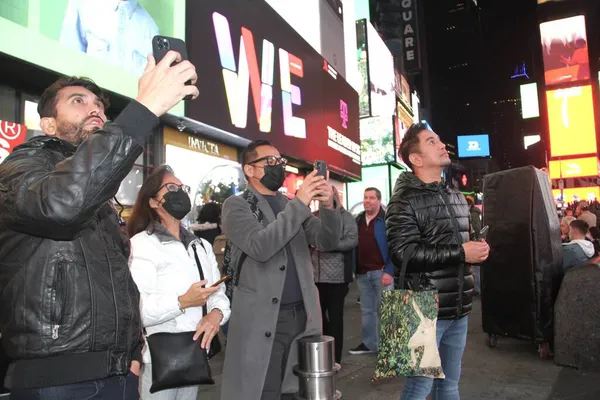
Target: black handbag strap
199	265
408	253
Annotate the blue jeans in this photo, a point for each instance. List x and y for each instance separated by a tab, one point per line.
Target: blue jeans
370	305
451	340
113	388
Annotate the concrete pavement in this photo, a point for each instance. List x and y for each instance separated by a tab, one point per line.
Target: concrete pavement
511	371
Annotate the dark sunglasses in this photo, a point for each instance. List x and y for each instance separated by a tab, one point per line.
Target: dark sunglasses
271	161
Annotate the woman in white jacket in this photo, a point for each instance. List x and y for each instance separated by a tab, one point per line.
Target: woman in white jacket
164	267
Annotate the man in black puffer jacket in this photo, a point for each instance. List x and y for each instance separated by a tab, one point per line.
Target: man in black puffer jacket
425	212
69	310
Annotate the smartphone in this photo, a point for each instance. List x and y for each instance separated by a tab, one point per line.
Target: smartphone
161	45
321	167
223	279
483	233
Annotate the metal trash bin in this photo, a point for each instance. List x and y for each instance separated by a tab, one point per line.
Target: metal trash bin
316	369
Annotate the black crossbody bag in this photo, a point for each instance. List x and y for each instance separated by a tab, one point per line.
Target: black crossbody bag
178	360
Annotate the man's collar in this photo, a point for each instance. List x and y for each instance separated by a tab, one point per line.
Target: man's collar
130	6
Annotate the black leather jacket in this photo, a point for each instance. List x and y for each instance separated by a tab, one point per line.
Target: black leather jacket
69	307
420	213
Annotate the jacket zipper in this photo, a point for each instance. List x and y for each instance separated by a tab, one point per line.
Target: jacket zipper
57	293
461	268
92	300
112	287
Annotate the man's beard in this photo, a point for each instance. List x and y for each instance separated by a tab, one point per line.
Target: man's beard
75	133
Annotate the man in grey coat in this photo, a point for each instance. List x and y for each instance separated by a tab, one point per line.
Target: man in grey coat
275	301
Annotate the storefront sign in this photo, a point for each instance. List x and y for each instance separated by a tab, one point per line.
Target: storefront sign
198	144
412	61
260	80
11	135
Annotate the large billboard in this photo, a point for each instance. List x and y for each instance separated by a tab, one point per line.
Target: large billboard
377	140
258	79
577	194
473	146
108	41
574	168
530	107
571	121
565	50
376	66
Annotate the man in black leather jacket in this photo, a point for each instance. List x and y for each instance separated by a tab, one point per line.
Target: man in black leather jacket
69	307
425	212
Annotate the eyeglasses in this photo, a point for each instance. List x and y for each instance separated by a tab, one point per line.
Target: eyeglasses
271	161
173	187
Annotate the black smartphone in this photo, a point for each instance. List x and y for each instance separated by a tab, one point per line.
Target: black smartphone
483	233
161	45
223	279
321	168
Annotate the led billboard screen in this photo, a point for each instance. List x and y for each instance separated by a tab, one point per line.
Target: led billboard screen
259	79
376	67
531	139
565	50
107	41
574	168
530	107
578	194
571	121
473	146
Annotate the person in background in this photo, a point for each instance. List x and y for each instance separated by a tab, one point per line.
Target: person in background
427	213
568	218
118	32
579	249
333	273
584	214
209	222
63	259
275	301
372	258
164	268
594	233
565	228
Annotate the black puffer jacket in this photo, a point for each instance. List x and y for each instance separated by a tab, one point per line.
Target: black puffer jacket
420	213
69	307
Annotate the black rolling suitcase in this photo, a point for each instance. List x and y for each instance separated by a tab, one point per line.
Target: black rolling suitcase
521	278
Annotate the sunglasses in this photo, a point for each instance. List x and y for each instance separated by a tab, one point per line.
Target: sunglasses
270	161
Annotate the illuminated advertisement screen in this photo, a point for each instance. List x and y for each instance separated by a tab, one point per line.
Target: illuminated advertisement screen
530	107
381	75
578	194
377	140
258	79
473	146
530	140
574	168
571	121
106	40
565	50
376	67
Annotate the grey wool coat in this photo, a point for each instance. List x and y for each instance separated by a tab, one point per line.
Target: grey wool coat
254	312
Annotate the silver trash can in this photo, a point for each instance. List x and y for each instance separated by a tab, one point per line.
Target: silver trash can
316	369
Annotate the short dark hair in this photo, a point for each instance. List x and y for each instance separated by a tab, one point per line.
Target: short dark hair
210	213
410	142
377	192
580	225
47	104
470	202
249	153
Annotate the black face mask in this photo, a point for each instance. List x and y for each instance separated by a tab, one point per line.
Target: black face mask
177	204
274	177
